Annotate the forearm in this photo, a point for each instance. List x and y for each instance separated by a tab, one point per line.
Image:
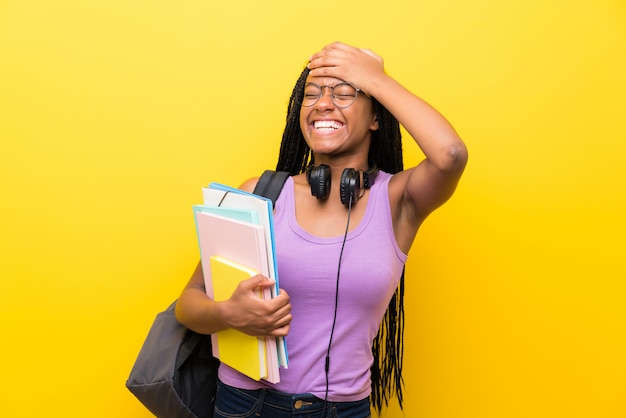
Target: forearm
431	131
195	310
198	313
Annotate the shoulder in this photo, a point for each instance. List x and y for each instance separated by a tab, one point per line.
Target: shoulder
249	185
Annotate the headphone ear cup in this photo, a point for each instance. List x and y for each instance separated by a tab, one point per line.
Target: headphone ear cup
350	186
319	180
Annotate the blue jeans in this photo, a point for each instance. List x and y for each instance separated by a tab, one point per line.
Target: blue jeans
233	402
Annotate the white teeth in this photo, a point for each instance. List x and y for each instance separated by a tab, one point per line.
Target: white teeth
327	124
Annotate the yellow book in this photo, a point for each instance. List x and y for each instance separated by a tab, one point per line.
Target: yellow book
240	351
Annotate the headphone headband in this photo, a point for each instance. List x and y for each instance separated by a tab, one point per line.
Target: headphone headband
371	172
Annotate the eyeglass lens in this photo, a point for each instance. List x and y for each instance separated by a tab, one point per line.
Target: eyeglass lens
342	94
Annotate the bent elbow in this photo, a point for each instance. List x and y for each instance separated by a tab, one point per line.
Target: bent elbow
454	157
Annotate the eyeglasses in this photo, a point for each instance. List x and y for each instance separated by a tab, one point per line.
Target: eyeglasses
342	95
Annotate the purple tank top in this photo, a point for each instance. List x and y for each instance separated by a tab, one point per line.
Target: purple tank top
371	267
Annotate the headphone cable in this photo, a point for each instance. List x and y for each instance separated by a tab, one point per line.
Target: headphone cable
332	330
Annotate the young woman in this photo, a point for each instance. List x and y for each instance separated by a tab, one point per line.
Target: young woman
344	224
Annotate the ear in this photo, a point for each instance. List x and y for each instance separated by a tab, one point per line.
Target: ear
374	124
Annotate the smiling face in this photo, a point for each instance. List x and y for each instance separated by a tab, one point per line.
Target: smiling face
331	130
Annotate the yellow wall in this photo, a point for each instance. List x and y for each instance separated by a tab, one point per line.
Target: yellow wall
114	114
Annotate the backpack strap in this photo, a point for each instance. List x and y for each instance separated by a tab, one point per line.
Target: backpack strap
271	184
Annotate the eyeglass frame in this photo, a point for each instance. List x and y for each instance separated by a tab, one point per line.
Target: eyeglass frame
332	93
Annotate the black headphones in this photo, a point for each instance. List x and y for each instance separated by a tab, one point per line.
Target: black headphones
319	180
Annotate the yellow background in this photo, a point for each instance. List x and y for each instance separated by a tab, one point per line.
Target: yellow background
114	114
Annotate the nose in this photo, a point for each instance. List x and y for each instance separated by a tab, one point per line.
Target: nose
326	101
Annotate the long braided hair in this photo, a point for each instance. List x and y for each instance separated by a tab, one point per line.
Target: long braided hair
386	152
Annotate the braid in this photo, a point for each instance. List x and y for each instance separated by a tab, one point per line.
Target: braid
388	351
388	346
386	147
294	152
386	152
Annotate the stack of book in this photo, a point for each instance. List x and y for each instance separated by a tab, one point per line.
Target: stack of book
236	237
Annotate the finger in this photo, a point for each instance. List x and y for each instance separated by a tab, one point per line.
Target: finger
282	300
319	55
325	70
338	46
281	332
281	320
330	54
255	282
318	61
277	311
282	314
265	282
282	294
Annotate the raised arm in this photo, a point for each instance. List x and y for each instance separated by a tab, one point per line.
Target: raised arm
421	189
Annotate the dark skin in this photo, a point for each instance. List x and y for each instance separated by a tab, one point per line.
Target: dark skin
413	193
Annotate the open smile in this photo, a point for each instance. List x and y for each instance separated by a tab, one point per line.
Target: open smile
327	125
